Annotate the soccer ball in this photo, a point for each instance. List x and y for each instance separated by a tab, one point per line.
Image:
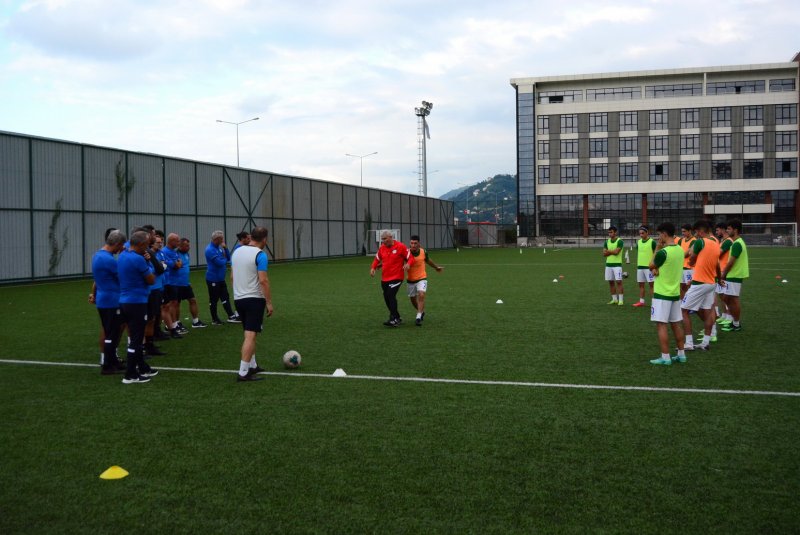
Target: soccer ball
624	274
292	359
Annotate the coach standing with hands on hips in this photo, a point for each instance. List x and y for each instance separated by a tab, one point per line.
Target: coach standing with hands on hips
394	259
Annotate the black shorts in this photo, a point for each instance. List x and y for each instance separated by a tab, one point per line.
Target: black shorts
251	311
183	293
154	304
168	294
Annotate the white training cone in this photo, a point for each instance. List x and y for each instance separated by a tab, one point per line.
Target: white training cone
499	302
520	251
555	280
784	280
339	373
544	251
458	250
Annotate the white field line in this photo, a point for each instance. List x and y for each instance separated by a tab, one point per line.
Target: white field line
452	381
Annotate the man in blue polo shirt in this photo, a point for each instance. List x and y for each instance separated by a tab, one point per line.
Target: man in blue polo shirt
105	296
180	280
217	259
174	264
135	277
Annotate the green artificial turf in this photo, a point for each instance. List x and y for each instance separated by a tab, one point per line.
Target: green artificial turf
294	454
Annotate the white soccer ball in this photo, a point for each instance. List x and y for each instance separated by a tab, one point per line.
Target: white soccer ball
292	359
624	274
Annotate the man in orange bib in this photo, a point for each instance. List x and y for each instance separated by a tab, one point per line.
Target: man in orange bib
418	278
704	258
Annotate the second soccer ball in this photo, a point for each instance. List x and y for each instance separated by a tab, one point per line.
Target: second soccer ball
291	359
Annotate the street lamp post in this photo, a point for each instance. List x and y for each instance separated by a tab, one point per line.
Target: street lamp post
361	158
237	134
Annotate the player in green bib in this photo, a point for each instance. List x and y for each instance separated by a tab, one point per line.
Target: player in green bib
645	249
736	270
612	251
667	265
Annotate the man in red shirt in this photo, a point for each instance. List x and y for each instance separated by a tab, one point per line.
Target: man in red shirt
394	259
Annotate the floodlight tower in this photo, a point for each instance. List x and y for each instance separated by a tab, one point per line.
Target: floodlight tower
422	133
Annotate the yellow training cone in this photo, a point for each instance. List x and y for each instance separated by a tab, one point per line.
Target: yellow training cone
115	472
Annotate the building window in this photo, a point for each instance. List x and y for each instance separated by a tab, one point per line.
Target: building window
786	114
720	143
629	146
614	93
561	215
629	172
598	148
658	120
690	118
677	207
598	122
569	123
621	210
659	171
786	84
598	173
569	148
721	116
544	174
544	150
628	120
786	167
753	115
753	169
721	169
690	144
725	88
673	90
786	141
543	124
690	170
557	97
754	141
659	145
569	174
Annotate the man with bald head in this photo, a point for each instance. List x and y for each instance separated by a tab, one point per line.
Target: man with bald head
217	259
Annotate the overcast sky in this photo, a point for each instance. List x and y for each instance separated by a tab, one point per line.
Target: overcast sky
329	78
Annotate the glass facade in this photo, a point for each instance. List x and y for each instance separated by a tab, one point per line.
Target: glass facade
561	215
624	211
678	208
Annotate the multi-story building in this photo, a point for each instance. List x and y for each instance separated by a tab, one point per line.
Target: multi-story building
639	147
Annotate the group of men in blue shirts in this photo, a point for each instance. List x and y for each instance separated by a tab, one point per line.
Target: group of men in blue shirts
143	286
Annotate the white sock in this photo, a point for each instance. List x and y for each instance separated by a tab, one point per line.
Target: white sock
102	358
419	315
681	353
716	309
195	320
620	298
641	300
689	341
174	325
714	330
706	339
729	317
253	362
735	323
664	356
614	298
243	368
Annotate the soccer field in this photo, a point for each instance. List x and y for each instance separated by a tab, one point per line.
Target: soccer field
529	436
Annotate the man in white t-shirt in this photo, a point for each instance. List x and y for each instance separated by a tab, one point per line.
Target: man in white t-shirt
252	297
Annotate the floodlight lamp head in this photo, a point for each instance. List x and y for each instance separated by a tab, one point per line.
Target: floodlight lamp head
427	105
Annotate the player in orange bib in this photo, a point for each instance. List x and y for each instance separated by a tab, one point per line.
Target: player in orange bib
418	278
699	297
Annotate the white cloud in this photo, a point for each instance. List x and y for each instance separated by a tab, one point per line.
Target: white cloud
331	78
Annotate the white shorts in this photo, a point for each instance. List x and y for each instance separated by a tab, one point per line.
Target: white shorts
644	275
417	287
698	296
663	311
687	276
614	273
719	290
733	288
